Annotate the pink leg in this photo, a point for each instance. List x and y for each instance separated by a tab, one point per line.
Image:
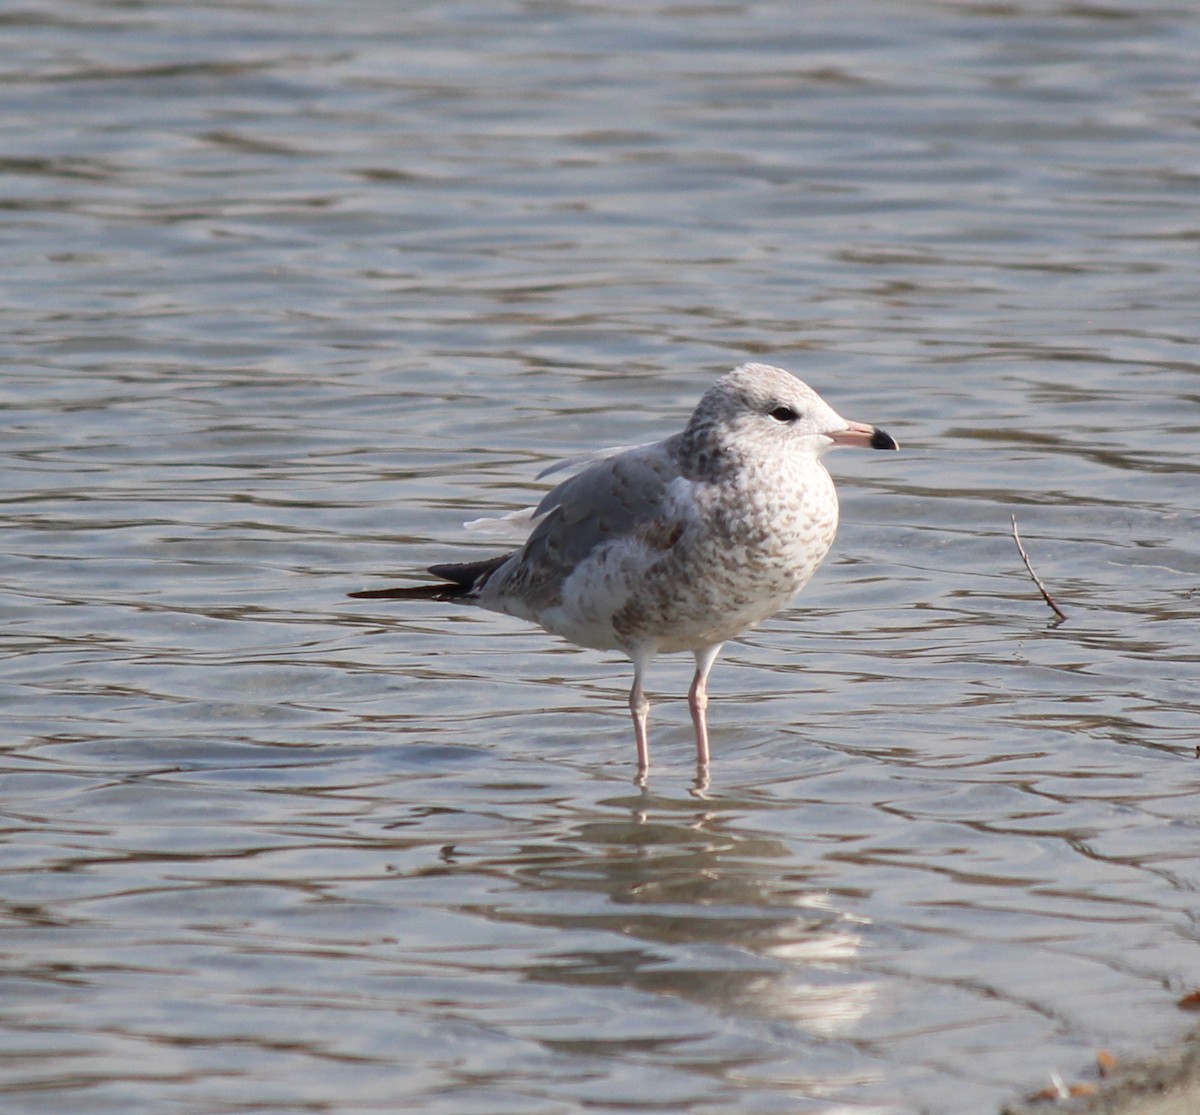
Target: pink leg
639	705
698	701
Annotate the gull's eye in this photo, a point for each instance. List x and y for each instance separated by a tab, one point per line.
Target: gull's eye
784	414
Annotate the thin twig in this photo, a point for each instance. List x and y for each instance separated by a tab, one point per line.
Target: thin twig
1036	579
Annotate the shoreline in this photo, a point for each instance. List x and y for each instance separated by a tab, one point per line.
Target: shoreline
1166	1084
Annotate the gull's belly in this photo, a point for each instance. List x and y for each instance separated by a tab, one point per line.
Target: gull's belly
718	563
699	594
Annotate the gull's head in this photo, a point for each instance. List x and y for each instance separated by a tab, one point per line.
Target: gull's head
757	406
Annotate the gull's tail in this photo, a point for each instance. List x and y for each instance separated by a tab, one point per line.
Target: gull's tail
460	581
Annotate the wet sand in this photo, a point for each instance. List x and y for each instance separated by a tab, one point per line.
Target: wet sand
1165	1085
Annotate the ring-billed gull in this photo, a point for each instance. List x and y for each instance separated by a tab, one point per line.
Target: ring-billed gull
680	544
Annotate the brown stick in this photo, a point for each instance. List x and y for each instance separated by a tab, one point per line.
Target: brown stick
1036	579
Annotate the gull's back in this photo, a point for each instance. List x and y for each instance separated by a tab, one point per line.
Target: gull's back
598	532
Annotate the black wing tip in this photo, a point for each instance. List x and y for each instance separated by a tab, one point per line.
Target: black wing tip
408	592
458	580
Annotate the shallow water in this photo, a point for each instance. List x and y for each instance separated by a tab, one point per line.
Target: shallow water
292	290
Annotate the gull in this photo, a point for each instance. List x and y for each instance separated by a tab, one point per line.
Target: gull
677	545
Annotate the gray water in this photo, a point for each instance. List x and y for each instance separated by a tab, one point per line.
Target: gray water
290	290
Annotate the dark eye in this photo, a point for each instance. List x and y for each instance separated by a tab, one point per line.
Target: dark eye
784	414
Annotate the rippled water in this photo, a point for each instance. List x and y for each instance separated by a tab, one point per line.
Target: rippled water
292	289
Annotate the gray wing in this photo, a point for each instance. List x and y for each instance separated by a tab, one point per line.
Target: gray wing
619	497
581	459
525	518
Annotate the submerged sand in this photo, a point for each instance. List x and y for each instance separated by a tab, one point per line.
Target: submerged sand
1164	1085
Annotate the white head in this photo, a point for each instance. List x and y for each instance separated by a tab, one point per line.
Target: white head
758	408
